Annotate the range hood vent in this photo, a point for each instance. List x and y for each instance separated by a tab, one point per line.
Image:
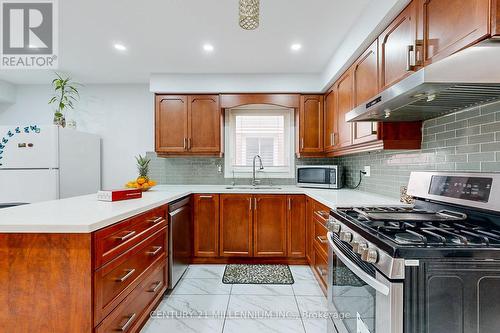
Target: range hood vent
467	79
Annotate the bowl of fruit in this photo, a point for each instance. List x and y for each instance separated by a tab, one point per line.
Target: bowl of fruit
142	182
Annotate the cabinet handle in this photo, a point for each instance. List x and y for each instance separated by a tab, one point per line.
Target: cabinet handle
289	203
322	239
409	50
127	324
157	286
185	143
301	143
250	202
189	143
334	136
205	197
155	220
156	250
127	236
254	203
126	276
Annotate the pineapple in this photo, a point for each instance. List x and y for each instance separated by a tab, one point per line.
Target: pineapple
143	168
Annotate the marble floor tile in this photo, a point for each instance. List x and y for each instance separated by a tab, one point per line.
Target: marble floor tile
268	325
262	289
312	305
301	272
262	306
201	287
193	305
307	288
316	325
184	325
205	272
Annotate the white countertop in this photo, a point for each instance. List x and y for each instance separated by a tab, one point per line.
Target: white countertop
86	214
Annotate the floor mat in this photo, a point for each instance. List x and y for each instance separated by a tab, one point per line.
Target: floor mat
257	274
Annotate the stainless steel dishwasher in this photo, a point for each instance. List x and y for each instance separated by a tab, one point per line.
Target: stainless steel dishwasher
180	239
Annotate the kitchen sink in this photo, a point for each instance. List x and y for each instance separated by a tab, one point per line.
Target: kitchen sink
253	188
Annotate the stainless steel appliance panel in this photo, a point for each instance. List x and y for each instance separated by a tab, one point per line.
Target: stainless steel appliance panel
180	239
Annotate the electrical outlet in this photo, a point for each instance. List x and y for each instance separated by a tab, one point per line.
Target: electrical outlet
219	168
367	170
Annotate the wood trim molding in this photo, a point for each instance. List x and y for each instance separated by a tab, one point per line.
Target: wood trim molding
234	100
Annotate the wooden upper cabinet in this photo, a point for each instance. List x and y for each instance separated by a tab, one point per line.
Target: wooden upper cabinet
206	225
365	87
204	124
171	124
269	236
311	124
344	88
296	234
236	217
451	25
188	125
398	49
330	122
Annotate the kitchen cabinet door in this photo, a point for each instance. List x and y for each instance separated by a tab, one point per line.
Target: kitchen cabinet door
204	124
309	230
296	229
330	122
398	49
206	225
451	25
269	237
236	225
365	79
344	88
311	124
171	123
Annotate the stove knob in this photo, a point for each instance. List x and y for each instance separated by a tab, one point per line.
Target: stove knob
370	256
346	236
361	248
335	227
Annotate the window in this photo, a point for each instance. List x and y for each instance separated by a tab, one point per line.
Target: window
259	130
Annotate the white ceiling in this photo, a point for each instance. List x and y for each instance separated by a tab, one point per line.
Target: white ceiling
166	36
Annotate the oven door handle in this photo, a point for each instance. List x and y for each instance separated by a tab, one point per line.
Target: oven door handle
371	281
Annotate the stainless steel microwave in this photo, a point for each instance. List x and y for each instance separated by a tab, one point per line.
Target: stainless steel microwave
320	176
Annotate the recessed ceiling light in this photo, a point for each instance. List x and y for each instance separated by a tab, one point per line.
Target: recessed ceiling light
208	47
296	47
120	47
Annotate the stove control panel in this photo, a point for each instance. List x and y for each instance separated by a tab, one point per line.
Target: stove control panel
467	188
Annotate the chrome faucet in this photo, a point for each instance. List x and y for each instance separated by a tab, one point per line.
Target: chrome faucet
255	182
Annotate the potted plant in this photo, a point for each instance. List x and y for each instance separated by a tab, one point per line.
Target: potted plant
65	94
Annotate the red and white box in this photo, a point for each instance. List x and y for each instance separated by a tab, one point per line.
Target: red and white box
118	195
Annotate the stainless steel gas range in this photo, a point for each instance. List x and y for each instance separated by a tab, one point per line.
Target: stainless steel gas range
430	268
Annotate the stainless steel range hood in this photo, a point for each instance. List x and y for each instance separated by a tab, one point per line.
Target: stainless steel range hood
466	79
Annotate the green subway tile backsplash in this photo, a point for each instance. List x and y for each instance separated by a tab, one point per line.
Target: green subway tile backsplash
465	141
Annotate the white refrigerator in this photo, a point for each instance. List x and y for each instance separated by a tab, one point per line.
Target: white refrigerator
47	163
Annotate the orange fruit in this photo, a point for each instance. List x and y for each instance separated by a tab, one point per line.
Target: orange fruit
141	180
151	183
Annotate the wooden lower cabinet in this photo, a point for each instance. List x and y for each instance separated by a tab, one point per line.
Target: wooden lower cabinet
89	289
269	225
309	230
206	225
320	267
296	229
265	226
236	225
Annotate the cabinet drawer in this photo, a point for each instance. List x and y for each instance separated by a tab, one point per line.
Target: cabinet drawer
114	240
321	266
115	280
320	232
130	314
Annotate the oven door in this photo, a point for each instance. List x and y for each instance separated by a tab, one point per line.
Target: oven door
361	299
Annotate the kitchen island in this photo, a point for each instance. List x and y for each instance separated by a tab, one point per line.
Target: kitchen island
80	265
